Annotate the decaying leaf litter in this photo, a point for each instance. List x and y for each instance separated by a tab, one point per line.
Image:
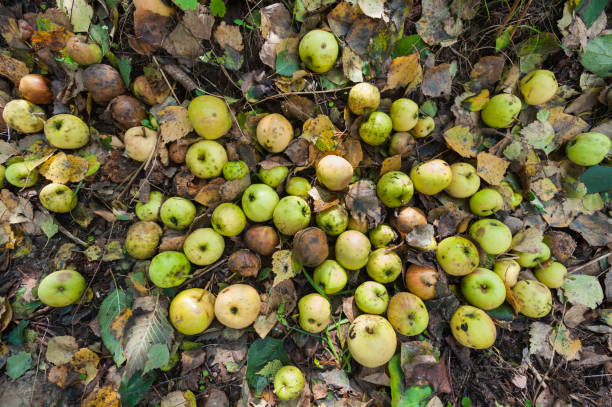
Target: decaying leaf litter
117	345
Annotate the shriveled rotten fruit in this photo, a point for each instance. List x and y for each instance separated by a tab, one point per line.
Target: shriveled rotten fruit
127	111
103	83
310	247
244	262
261	239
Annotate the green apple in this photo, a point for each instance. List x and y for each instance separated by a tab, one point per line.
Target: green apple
552	276
486	202
382	235
318	50
423	127
298	186
140	142
508	270
204	246
457	256
483	288
363	98
431	177
394	189
67	131
331	276
150	210
421	281
404	114
61	288
20	175
177	212
228	219
352	249
371	297
288	383
465	182
315	312
376	129
237	306
210	116
384	265
492	235
169	269
273	176
206	159
334	172
533	297
274	132
57	198
501	111
235	170
533	259
401	143
371	340
192	311
538	86
588	149
24	116
473	328
291	214
333	220
142	239
407	314
259	202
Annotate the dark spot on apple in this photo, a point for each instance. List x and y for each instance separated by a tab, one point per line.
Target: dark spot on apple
58	124
352	333
202	157
214	114
464	327
174	220
318	324
60	289
234	310
370	330
311	320
466	251
323	45
59	191
388	272
203	247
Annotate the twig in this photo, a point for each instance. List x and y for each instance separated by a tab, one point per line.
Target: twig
285	94
166	80
509	17
521	17
588	263
180	76
63	230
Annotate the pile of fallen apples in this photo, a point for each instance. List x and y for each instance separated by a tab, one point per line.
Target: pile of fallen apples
338	244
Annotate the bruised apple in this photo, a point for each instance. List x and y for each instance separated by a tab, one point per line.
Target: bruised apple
371	297
352	249
457	256
83	53
261	239
237	306
169	269
423	127
127	111
404	114
235	170
315	312
492	235
288	382
407	314
273	176
538	86
382	235
140	143
35	88
57	198
363	98
465	182
486	202
501	111
177	212
291	214
534	298
408	218
206	159
259	202
333	220
331	276
228	219
588	149
310	247
508	270
103	82
376	129
24	116
204	246
274	132
192	311
150	91
421	281
66	131
394	189
552	276
298	186
384	265
371	340
473	328
431	177
150	209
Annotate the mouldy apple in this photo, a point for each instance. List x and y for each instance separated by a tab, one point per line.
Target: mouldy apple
407	314
431	177
150	210
57	198
258	202
484	289
401	143
421	281
206	159
552	276
404	114
486	202
318	50
103	82
492	235
288	383
384	265
169	269
149	90
588	149
24	116
209	116
235	170
382	235
457	256
533	259
363	98
408	218
20	175
508	270
273	176
244	263
501	111
274	132
423	127
204	246
334	172
394	189
140	143
142	239
376	129
61	288
472	327
333	220
192	311
35	88
331	276
127	111
352	249
228	219
291	214
261	239
371	297
315	312
66	131
177	212
465	182
538	86
371	340
310	247
298	186
534	298
237	306
359	225
83	53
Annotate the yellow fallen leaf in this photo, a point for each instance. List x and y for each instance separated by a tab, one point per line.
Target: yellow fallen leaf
491	168
85	362
63	168
402	71
562	342
477	102
544	189
102	397
462	141
393	163
173	123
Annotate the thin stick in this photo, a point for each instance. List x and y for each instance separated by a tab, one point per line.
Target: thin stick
588	263
166	80
314	92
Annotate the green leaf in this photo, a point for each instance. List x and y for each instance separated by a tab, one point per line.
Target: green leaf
157	356
598	55
217	8
261	352
186	4
589	10
429	108
48	226
94	165
112	305
584	290
597	178
503	40
466	402
504	312
408	44
18	364
134	388
80	13
125	68
99	33
286	64
270	369
414	396
16	336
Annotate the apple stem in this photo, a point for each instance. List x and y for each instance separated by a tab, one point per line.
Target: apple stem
204	291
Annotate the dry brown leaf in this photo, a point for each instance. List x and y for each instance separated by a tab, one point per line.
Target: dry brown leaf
352	151
462	141
229	35
341	18
563	343
544	188
352	65
361	33
174	123
437	81
393	163
486	72
436	25
210	194
275	26
402	71
596	229
61	349
363	203
565	125
528	241
199	22
491	168
181	43
59	375
13	69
